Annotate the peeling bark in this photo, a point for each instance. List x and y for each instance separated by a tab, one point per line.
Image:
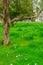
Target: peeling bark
6	34
6	23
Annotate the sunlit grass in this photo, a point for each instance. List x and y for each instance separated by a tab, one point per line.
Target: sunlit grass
26	47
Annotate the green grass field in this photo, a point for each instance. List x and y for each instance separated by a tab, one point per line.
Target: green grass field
26	46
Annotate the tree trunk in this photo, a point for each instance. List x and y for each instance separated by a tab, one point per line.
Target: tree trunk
6	23
6	34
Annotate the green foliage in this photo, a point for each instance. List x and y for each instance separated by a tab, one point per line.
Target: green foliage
1	6
26	45
41	4
19	8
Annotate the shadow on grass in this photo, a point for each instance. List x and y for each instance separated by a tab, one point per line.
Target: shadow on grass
15	35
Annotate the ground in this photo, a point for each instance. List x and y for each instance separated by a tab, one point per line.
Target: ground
26	47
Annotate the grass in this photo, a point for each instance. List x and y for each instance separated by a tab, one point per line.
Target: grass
26	45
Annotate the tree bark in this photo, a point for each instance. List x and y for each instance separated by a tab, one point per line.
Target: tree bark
1	15
6	23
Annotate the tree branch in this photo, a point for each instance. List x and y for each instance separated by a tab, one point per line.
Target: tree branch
2	15
19	19
24	18
38	14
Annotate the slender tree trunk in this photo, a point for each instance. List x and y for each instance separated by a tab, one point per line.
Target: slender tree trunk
6	23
